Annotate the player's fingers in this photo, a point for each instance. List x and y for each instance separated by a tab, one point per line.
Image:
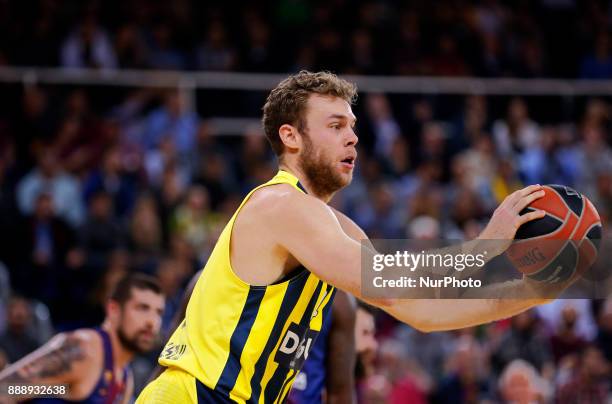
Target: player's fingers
517	195
511	199
524	201
529	189
522	219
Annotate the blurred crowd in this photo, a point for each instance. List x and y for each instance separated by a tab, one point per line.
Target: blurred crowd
544	38
558	353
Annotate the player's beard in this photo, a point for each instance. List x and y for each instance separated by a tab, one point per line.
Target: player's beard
132	343
322	177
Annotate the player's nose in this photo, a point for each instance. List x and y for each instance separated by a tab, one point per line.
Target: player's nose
352	138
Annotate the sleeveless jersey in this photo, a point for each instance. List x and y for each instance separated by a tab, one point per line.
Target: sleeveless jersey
245	343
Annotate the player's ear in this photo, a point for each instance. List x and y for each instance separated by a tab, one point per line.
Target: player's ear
290	137
113	310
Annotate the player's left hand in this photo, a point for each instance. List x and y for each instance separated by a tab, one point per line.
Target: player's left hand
507	218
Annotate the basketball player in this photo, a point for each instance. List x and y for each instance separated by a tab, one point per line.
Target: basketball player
268	285
328	372
93	363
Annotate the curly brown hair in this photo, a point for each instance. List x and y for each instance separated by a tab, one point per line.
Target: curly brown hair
286	103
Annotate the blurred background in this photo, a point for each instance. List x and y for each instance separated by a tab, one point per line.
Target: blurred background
129	133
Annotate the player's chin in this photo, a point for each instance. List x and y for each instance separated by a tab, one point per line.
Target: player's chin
145	344
346	171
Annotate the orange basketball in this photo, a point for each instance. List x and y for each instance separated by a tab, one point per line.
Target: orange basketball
563	244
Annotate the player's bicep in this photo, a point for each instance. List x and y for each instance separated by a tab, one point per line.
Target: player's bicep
55	362
311	233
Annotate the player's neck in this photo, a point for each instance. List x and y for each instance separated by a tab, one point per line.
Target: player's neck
121	356
295	170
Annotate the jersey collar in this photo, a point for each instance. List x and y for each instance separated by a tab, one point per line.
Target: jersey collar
291	179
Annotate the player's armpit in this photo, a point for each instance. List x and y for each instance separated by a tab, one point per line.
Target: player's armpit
54	362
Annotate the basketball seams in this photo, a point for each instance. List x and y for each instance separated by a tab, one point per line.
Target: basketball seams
588	214
566	204
547	213
586	232
590	242
564	223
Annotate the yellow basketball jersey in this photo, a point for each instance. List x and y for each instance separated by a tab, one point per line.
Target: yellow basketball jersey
246	343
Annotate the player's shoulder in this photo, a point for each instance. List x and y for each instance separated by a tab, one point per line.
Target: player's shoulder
84	343
282	200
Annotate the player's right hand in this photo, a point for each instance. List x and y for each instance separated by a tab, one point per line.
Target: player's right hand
507	218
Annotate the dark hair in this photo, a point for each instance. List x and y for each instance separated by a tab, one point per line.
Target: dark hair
123	290
286	103
368	308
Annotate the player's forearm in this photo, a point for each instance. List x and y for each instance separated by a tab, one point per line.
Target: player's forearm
52	363
447	314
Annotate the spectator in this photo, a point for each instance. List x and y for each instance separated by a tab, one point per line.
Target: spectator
130	47
112	179
46	249
215	53
174	121
505	180
517	133
520	383
172	275
523	340
193	219
63	189
466	380
598	65
33	126
101	234
362	56
408	383
591	157
552	315
384	125
381	217
590	381
566	341
145	234
258	54
429	350
88	46
366	347
213	175
16	341
604	334
162	52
